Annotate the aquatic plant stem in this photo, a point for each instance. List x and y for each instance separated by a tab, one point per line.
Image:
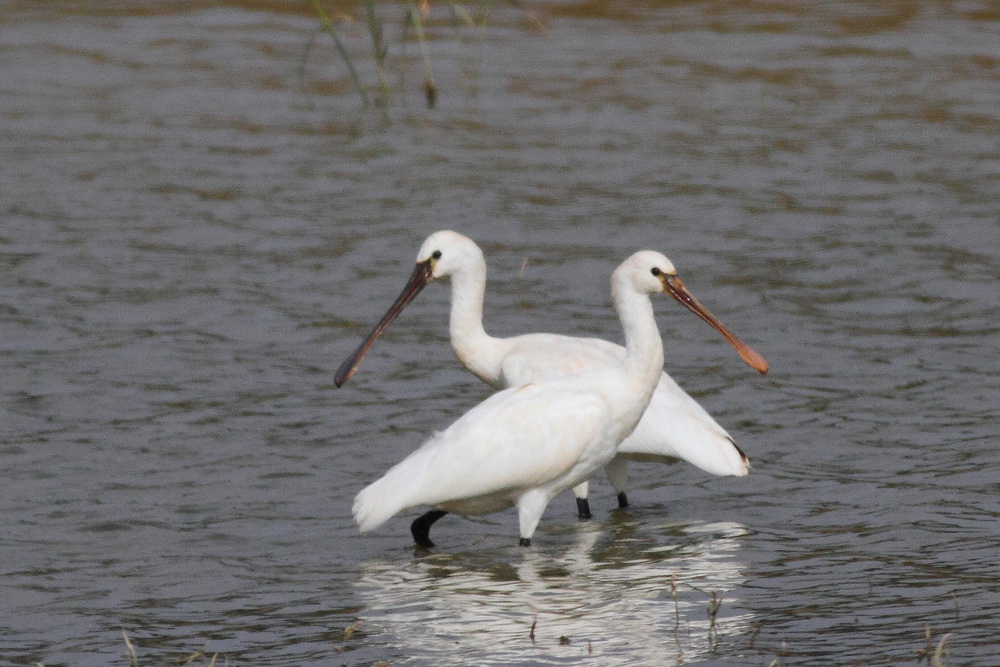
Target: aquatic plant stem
327	24
430	88
133	659
379	49
677	616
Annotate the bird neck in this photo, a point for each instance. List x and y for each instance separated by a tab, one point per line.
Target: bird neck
473	346
643	362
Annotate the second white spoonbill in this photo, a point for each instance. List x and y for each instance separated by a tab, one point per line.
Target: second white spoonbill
524	445
674	426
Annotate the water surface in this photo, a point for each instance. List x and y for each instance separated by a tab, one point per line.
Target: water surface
193	236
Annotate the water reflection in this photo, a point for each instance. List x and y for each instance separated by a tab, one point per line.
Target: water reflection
605	594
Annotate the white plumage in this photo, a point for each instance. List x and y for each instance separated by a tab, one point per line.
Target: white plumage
674	425
488	458
524	445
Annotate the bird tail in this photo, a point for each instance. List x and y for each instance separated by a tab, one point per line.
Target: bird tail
373	506
394	492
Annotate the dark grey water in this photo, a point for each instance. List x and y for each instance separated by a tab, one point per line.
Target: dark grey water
191	242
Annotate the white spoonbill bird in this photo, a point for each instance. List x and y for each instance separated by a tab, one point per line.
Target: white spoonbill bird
524	445
674	425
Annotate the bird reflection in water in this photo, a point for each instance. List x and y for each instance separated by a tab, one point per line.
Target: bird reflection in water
637	594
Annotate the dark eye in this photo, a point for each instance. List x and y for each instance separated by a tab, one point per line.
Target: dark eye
437	254
656	271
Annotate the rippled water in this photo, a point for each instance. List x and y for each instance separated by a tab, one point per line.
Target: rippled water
191	241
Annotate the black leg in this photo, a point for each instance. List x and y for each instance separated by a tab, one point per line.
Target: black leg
421	528
583	508
622	500
525	542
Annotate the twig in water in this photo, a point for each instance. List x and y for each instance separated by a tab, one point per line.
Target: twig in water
713	608
933	655
677	616
133	659
940	651
351	629
926	651
713	630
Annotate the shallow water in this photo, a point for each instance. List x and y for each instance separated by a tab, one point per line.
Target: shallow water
192	240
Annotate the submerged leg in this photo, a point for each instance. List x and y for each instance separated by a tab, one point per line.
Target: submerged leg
582	504
617	470
421	528
529	512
